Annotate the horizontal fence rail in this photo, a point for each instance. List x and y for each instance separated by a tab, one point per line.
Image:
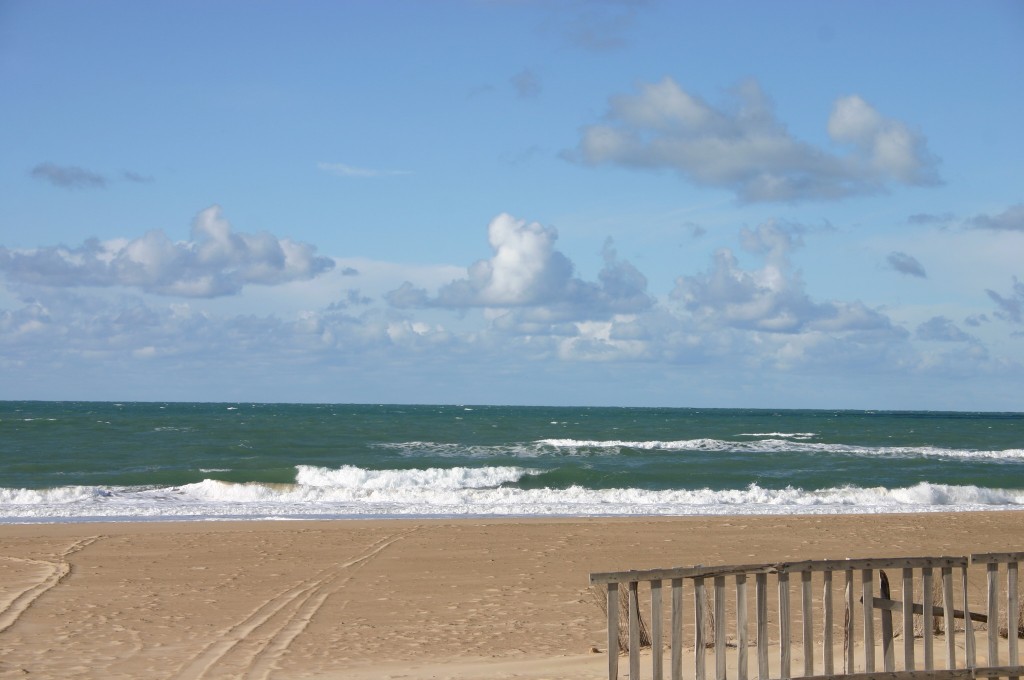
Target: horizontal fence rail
851	616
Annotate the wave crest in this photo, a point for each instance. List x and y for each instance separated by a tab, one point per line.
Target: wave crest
480	492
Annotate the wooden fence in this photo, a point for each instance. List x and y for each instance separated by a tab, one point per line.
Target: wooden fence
940	585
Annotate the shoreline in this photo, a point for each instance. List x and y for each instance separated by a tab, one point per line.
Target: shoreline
415	597
773	511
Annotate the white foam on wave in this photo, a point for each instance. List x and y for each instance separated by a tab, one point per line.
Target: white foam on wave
773	445
788	435
476	492
352	477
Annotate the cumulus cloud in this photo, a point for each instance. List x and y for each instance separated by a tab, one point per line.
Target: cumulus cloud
770	299
1011	219
906	264
529	274
888	147
747	150
216	261
68	176
345	170
941	329
1011	307
526	83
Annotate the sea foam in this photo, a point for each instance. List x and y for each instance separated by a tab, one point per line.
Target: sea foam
356	492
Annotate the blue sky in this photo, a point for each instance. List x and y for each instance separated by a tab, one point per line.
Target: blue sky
610	202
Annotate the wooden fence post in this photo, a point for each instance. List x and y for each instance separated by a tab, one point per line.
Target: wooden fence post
947	608
868	596
888	657
699	645
677	629
908	618
807	620
656	664
928	618
828	616
613	631
741	626
761	604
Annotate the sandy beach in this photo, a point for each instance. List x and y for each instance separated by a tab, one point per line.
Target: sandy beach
384	598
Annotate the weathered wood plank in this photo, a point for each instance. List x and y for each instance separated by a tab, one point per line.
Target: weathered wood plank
784	642
1001	558
848	627
807	621
697	571
613	631
888	655
741	627
656	662
908	619
720	628
700	644
1012	611
677	629
875	563
972	656
992	578
927	622
957	674
897	605
634	632
761	616
867	579
600	578
950	629
828	616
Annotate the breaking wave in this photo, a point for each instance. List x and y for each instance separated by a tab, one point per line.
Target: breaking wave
773	445
351	491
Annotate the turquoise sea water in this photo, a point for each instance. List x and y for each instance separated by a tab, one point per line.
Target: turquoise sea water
73	461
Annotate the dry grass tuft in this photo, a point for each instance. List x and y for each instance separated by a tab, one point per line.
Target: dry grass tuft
600	598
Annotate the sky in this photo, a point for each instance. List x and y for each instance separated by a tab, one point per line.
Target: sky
614	202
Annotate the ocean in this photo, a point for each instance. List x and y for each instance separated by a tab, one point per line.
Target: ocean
89	461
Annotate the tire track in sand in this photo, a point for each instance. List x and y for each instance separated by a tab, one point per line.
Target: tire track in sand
20	603
273	625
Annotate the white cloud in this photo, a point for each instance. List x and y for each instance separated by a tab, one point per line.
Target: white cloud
345	170
521	312
770	299
217	261
526	269
747	150
888	147
529	275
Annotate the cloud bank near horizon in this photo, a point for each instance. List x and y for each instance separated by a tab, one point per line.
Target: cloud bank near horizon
216	261
748	310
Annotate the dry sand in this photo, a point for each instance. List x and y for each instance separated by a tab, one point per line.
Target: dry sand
384	599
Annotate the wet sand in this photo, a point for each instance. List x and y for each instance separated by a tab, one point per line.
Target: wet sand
410	599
